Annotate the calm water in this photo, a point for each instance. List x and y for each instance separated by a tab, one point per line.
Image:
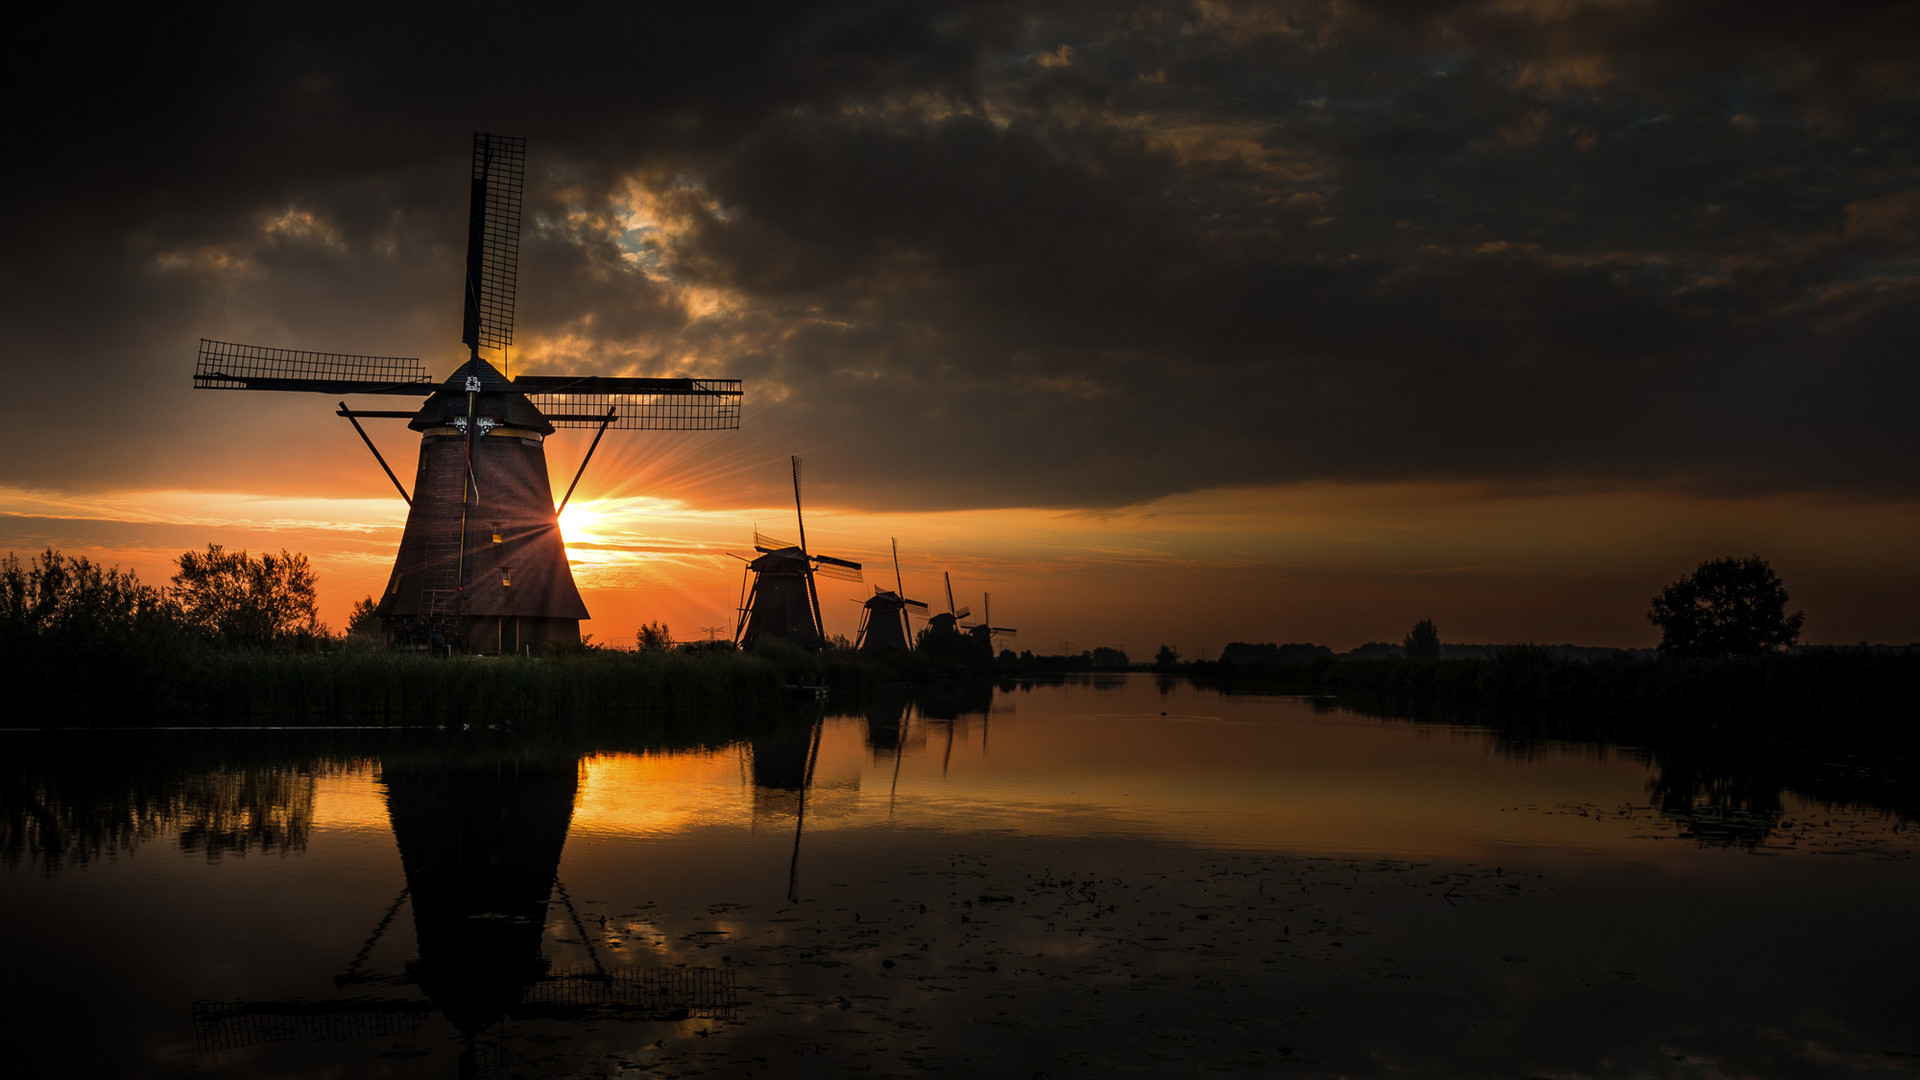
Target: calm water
1084	879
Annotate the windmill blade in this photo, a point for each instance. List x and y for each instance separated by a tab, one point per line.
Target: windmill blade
913	603
837	569
949	580
797	514
493	239
637	404
763	542
961	613
223	365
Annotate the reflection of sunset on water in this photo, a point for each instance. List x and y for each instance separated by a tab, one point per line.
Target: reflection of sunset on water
660	794
1235	776
973	875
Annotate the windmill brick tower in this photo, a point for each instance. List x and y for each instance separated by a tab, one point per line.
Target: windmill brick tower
482	566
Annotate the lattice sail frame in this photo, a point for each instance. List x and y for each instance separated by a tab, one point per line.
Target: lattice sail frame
837	570
705	405
493	238
223	365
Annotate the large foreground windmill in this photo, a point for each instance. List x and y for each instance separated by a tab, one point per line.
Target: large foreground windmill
782	602
883	626
481	565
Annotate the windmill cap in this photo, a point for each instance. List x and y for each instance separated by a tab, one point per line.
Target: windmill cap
780	560
497	400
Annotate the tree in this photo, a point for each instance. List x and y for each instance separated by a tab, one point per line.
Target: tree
1423	641
74	602
1726	607
653	637
241	600
362	622
1167	658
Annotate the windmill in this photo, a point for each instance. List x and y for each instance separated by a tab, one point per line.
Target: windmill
883	627
782	602
481	565
986	631
948	621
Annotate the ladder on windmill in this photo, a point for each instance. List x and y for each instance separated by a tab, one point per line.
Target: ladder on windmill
440	593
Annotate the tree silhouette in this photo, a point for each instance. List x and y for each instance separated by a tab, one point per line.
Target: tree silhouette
241	600
1423	641
653	637
74	603
363	622
1726	607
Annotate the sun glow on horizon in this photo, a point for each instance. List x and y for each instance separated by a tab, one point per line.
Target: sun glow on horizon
1332	564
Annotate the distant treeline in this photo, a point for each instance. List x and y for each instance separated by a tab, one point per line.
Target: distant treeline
1862	694
1240	654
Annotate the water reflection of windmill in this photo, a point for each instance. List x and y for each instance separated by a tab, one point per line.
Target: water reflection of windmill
780	600
481	563
480	841
952	703
883	624
784	761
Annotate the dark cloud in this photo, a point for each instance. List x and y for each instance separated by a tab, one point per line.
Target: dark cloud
1054	254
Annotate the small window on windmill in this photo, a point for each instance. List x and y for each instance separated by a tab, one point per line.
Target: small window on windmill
506	575
497	537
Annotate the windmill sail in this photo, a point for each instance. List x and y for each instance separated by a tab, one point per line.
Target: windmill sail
637	404
493	240
223	365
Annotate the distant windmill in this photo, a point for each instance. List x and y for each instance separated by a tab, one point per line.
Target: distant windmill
481	565
782	602
986	631
883	627
948	621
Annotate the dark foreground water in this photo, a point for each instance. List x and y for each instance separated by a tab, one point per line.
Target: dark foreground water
1060	880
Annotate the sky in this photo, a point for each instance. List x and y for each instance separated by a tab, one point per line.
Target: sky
1161	323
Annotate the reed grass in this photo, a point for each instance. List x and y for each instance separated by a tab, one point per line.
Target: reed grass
233	685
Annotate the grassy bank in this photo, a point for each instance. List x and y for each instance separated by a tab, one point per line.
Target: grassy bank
229	685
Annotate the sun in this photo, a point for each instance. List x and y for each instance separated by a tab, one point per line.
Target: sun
578	521
588	531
